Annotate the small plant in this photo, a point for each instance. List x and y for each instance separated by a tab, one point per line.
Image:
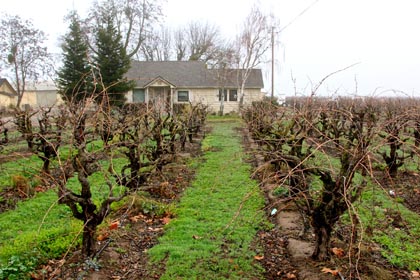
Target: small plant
281	192
18	267
22	185
147	205
120	251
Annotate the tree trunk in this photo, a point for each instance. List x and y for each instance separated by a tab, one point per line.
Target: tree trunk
323	236
89	230
46	165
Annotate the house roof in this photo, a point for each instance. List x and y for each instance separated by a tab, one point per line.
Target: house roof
159	80
41	86
187	74
11	91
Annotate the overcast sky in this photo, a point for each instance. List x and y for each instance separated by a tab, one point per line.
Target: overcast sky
381	37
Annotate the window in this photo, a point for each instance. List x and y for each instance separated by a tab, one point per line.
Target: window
233	95
183	96
225	95
139	95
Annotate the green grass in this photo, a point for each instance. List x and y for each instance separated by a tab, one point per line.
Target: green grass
25	166
37	230
400	246
217	217
40	229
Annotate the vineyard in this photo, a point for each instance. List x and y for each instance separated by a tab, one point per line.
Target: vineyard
349	168
64	170
90	191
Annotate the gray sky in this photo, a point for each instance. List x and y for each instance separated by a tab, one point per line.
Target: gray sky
382	36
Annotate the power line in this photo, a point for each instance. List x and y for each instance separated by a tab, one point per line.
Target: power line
299	15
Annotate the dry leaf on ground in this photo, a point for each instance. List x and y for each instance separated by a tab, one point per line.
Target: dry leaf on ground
114	225
338	252
329	270
166	220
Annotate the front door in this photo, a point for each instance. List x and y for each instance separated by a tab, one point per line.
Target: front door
160	97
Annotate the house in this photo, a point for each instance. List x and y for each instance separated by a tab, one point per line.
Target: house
41	94
167	83
177	82
8	94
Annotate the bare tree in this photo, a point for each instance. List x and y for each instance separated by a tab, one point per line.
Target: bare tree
157	45
197	41
180	44
132	18
22	51
252	43
222	61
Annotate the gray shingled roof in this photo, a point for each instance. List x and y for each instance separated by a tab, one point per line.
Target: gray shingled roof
187	74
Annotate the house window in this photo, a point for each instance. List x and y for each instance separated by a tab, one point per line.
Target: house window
183	96
224	94
233	95
139	95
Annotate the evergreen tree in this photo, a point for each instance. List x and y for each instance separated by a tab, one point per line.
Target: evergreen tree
112	62
74	77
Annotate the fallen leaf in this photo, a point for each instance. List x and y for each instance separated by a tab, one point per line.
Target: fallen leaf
329	270
39	189
166	220
258	258
102	237
134	219
415	273
154	229
290	276
114	225
35	276
338	252
164	184
196	237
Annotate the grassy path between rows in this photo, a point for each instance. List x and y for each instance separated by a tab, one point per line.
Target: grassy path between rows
217	217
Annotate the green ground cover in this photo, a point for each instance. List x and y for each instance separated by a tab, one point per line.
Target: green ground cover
217	217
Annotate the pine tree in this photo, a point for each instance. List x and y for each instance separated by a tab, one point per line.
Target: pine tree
113	63
74	77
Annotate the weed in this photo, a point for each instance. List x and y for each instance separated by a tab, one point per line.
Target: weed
120	251
18	267
21	185
281	192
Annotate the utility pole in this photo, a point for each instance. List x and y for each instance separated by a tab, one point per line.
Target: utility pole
272	63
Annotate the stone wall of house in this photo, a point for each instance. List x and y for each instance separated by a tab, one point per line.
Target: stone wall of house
210	97
6	101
